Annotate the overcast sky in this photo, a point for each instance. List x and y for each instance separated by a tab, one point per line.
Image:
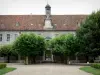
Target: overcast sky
58	6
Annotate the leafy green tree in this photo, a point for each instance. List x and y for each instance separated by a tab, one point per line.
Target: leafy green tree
29	45
89	34
57	46
71	46
64	45
7	50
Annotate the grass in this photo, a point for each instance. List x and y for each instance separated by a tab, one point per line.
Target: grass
6	70
91	70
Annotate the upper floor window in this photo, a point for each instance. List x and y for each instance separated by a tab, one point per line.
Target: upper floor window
16	35
8	37
56	34
0	37
39	34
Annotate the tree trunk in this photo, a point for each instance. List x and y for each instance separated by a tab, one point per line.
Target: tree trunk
87	59
8	59
62	58
76	59
19	58
65	59
34	59
68	61
26	60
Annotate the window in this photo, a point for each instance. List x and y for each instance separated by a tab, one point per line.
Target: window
17	24
8	37
56	34
0	37
39	34
16	35
48	38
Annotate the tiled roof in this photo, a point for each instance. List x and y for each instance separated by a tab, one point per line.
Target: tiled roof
36	22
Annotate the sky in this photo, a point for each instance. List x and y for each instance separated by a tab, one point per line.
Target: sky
63	7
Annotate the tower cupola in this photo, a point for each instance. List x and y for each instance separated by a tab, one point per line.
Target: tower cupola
48	24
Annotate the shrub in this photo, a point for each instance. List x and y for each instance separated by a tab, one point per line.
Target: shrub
2	65
96	65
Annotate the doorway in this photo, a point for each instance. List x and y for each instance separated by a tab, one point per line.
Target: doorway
48	55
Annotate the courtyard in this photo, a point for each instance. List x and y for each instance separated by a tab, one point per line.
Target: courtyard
46	69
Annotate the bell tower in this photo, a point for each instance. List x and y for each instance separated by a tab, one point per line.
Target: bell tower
48	24
48	11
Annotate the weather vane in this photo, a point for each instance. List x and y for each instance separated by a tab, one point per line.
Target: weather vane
47	1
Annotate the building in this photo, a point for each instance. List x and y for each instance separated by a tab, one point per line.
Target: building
49	26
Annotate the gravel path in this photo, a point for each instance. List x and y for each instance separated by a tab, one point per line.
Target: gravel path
46	69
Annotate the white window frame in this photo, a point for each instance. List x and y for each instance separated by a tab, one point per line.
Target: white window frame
16	35
0	37
8	37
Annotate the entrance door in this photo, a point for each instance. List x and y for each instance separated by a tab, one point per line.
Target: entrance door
48	55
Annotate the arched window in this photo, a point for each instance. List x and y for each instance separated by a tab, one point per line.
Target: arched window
48	38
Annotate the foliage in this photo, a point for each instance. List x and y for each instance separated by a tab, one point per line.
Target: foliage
89	34
2	65
6	70
57	45
71	44
91	70
96	65
64	44
6	49
29	45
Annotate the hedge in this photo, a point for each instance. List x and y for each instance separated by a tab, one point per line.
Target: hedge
96	65
2	65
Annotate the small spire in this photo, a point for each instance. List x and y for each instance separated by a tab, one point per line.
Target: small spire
47	1
47	4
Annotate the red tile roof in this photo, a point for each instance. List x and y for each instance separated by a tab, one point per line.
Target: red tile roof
36	22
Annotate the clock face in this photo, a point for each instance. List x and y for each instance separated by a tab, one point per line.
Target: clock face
48	22
48	12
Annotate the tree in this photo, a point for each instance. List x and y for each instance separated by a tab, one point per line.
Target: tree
57	46
7	50
64	45
29	45
89	34
71	46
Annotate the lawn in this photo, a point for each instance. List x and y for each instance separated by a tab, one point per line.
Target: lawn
91	70
6	70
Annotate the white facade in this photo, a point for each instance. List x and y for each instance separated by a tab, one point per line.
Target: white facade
15	34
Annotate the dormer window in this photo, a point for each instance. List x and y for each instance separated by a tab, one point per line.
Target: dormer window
39	24
31	24
78	23
64	24
17	24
